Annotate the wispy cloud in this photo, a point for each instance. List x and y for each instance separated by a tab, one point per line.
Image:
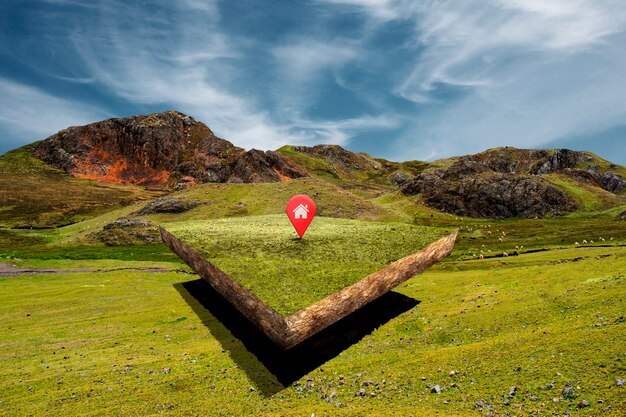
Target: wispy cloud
517	72
471	43
195	69
380	9
303	60
29	114
434	77
301	65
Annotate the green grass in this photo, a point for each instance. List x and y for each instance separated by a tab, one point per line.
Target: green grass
264	254
101	343
530	235
121	253
34	195
314	166
588	198
126	343
240	200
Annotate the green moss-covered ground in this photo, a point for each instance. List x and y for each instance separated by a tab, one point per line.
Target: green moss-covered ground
264	253
502	335
127	343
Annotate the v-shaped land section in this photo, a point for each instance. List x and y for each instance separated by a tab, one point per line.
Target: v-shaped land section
287	332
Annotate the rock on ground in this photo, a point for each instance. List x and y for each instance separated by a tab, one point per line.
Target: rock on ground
168	205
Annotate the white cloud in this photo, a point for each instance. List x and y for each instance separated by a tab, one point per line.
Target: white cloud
340	131
30	114
301	64
185	61
468	43
303	60
380	9
526	72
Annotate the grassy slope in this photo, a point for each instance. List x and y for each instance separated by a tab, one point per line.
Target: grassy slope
554	315
32	194
94	344
588	198
236	200
364	182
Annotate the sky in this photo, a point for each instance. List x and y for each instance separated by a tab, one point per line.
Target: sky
398	79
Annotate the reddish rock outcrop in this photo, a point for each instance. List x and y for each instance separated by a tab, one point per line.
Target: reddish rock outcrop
162	149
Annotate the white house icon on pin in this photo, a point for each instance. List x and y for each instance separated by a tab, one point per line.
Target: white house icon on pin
301	212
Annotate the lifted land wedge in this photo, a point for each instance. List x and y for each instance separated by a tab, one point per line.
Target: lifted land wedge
289	332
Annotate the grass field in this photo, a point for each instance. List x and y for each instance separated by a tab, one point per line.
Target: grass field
127	343
34	195
264	254
539	332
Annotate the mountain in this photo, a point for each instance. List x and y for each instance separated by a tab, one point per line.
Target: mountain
160	149
83	171
510	182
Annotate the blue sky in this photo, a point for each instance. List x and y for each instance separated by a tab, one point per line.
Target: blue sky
398	79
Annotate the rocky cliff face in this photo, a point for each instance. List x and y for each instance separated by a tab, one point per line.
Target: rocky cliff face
165	149
489	194
487	186
543	161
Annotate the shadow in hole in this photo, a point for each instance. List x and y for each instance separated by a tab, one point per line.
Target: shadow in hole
286	366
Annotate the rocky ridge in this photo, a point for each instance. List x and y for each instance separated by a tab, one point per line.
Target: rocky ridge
159	149
175	151
492	195
507	182
575	164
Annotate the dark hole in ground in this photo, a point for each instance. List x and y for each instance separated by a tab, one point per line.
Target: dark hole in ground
286	366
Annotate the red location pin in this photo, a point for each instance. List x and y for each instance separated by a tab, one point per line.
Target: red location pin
300	210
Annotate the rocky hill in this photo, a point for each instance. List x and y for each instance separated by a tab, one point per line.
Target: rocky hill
582	166
510	182
165	149
171	151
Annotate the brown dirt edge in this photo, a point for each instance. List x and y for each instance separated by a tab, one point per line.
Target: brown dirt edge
288	332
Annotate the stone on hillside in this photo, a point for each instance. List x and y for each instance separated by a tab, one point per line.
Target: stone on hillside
398	178
568	392
168	205
127	231
612	182
583	404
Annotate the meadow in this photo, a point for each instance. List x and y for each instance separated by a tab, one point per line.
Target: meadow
538	332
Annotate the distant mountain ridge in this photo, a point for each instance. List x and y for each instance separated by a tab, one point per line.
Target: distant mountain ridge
171	150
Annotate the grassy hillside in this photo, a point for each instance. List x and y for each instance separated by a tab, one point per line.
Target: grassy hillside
537	332
356	166
136	343
231	200
588	198
32	194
